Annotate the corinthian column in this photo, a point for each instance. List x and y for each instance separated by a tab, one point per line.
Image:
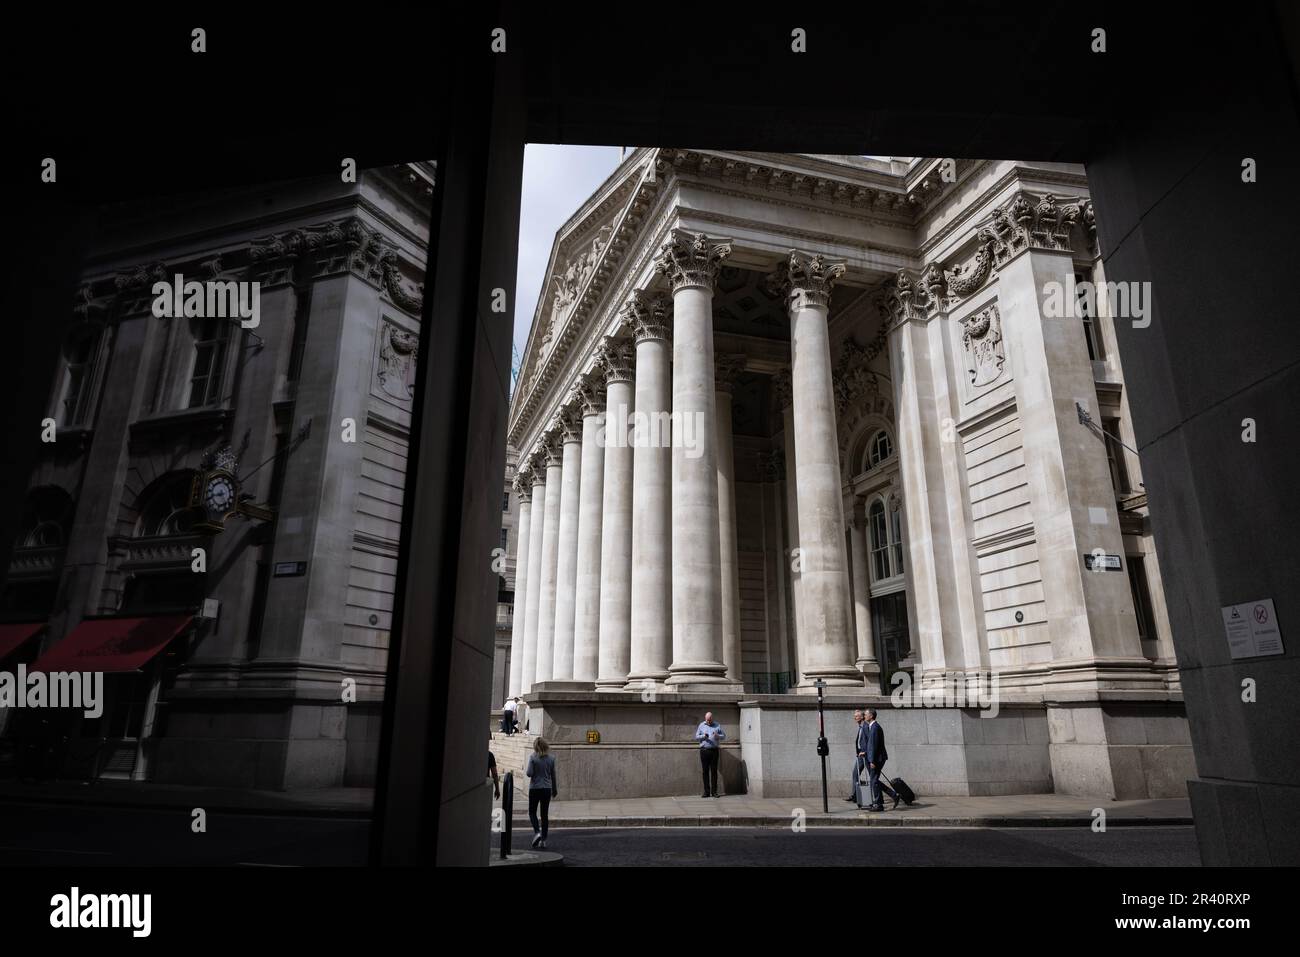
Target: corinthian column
586	625
550	553
523	487
533	597
728	367
826	641
691	262
617	364
566	558
651	476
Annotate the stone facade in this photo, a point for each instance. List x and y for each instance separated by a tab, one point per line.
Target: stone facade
840	439
278	681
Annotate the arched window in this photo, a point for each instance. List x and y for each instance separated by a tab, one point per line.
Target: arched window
167	509
886	528
879	449
46	518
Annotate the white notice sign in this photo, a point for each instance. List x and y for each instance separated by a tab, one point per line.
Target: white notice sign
1252	629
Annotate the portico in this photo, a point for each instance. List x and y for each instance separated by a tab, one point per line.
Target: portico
874	477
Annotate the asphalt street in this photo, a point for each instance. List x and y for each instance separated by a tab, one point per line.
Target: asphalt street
92	836
875	847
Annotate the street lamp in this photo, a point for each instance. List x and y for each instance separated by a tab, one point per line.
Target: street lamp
823	748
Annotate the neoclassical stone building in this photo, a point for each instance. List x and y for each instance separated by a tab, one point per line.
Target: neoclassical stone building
797	419
277	450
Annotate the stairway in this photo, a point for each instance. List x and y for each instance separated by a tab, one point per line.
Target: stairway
512	751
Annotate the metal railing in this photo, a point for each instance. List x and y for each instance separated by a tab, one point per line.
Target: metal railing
769	682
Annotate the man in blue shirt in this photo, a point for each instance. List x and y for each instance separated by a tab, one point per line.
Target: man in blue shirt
709	733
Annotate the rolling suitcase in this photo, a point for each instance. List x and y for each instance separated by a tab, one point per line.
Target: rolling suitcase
899	787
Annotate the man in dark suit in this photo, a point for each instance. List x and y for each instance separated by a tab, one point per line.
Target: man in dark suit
859	755
876	756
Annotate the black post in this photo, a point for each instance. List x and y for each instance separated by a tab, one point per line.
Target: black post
823	747
508	809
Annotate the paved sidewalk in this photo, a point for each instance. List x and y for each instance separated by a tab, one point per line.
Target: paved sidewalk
1018	810
320	802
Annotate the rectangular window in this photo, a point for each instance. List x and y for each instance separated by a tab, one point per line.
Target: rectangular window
72	403
505	537
879	546
1087	313
1115	456
1137	579
505	503
209	360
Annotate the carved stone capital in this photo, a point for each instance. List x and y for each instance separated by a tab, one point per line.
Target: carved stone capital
809	280
773	464
616	360
903	300
591	394
651	316
851	378
782	390
523	486
552	449
726	368
569	421
692	259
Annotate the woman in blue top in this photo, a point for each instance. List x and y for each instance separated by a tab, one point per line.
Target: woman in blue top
542	786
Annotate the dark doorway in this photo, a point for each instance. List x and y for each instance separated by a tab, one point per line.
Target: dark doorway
893	641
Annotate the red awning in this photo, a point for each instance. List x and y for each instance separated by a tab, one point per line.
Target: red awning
14	636
112	644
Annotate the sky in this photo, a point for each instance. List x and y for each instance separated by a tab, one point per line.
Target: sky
557	180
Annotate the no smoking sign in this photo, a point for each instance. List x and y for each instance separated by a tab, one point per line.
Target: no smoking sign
1252	629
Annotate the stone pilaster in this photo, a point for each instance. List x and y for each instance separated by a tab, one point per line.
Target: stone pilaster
861	556
783	393
728	367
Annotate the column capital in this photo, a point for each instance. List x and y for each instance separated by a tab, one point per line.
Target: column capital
773	464
807	279
726	367
523	485
552	449
692	259
591	393
616	360
650	314
782	389
569	421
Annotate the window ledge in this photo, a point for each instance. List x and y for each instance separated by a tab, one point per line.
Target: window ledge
191	421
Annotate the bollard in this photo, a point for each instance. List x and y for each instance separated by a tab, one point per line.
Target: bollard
508	810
